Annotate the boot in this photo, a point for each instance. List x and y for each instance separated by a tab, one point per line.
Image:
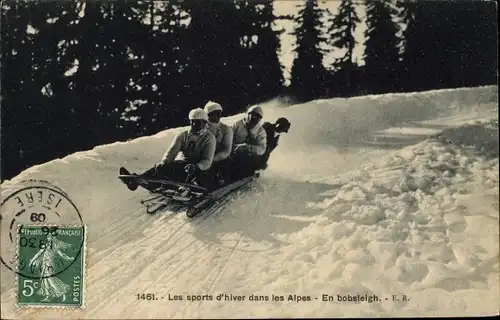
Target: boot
219	180
131	184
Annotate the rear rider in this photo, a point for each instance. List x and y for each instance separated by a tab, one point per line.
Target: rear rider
273	132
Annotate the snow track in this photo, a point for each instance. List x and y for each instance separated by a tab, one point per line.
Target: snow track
384	195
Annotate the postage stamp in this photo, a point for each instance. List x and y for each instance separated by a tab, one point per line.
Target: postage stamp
32	202
51	266
43	242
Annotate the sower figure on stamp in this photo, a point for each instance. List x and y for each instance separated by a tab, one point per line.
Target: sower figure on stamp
273	132
224	137
45	260
249	144
196	148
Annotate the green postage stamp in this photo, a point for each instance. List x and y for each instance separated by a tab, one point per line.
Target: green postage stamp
51	266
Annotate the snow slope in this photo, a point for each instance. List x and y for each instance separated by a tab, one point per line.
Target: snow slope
379	195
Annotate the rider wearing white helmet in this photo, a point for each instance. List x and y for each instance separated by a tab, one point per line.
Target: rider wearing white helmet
249	143
196	145
192	152
222	132
249	136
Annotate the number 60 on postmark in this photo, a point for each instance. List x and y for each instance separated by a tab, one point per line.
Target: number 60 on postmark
50	266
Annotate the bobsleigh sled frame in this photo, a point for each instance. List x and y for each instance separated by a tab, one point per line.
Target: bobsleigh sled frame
167	192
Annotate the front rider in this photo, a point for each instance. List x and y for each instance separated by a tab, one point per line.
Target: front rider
189	156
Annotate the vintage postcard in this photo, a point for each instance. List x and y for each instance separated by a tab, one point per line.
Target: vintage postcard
249	159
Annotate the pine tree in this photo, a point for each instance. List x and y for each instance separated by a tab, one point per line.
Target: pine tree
246	74
19	139
269	46
214	52
155	90
44	117
307	74
53	63
405	16
484	42
434	58
421	45
382	47
104	35
342	36
261	67
464	53
425	45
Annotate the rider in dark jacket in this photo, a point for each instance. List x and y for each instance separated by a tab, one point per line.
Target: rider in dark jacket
273	132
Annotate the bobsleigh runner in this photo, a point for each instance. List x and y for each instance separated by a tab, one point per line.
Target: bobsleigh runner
193	197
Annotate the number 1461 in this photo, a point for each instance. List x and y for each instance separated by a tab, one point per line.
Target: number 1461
146	296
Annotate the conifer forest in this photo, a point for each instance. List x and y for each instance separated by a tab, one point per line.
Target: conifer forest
77	74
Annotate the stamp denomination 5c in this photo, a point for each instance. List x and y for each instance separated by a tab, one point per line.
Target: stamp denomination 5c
51	266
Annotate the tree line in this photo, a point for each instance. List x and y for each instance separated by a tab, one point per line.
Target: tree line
411	45
76	74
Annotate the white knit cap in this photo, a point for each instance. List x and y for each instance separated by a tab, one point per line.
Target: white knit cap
257	109
198	114
212	106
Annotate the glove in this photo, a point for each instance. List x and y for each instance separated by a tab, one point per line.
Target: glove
158	166
191	168
244	148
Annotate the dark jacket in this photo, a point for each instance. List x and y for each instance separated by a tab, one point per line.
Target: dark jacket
272	142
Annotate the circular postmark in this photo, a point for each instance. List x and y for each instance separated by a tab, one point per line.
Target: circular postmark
42	231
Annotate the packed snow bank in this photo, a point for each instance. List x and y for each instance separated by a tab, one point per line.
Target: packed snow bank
422	222
357	200
329	132
346	123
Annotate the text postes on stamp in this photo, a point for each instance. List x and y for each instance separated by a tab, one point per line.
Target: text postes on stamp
51	266
33	203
